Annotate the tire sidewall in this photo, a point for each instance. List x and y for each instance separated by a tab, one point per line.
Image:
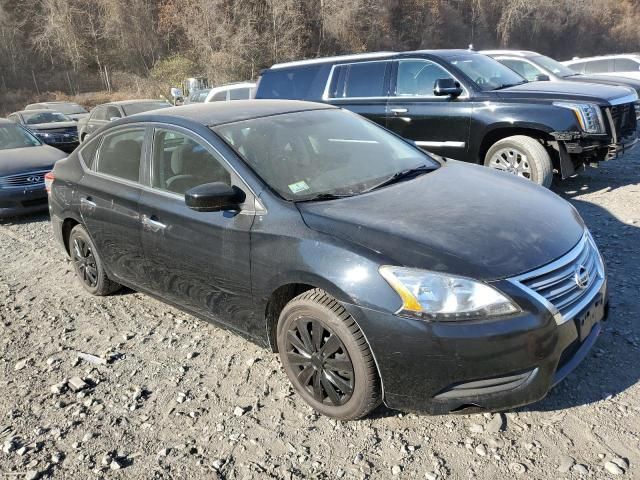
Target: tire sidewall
310	309
536	175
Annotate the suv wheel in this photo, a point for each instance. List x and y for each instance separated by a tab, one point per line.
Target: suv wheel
523	156
88	264
327	358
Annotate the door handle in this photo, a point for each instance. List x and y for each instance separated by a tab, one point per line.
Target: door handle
397	111
87	202
153	224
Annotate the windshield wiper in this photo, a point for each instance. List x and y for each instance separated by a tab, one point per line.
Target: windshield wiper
507	85
324	196
402	175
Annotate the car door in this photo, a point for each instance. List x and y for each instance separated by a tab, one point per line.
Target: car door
198	260
362	87
108	196
437	124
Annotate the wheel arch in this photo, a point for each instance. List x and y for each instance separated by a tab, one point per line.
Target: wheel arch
504	131
67	225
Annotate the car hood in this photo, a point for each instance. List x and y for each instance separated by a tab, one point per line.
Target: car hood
40	127
20	160
597	93
460	219
77	116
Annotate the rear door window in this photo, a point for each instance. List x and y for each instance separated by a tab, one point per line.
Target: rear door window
239	94
113	112
120	154
360	80
99	113
219	96
597	66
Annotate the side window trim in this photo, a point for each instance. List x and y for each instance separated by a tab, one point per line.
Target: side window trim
394	84
235	176
327	89
125	128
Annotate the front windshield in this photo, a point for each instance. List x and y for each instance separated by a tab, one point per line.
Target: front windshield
14	136
70	108
553	66
304	155
487	73
44	117
141	107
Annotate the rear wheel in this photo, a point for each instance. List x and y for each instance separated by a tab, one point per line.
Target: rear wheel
522	156
327	358
88	265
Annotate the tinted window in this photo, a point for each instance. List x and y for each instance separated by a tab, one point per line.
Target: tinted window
366	79
219	96
181	163
88	152
418	77
293	84
239	94
553	66
15	136
597	66
626	65
68	108
113	112
120	154
523	68
304	154
134	108
99	113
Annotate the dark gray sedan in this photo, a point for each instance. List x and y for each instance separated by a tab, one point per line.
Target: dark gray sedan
24	161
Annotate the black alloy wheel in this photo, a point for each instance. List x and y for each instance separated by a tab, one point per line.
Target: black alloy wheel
85	262
324	367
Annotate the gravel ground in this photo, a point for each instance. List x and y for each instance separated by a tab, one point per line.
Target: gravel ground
179	398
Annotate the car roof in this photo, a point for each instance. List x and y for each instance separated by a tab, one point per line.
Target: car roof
133	102
218	113
5	121
372	56
515	53
37	110
58	102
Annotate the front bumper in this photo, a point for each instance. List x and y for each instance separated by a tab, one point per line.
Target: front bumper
447	367
22	201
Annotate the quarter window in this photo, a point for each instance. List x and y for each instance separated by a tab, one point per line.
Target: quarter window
219	96
417	78
181	163
88	153
359	80
120	154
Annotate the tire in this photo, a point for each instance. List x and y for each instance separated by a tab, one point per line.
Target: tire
523	156
88	264
337	376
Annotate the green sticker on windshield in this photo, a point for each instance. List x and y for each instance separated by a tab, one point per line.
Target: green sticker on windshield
299	187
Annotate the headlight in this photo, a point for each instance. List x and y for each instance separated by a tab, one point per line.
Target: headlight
437	296
589	116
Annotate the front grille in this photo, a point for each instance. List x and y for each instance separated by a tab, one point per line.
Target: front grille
21	180
570	282
623	120
67	130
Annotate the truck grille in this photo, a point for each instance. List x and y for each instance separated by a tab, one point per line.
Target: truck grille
568	284
623	120
21	180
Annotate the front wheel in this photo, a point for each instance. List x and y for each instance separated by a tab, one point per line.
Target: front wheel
523	156
327	358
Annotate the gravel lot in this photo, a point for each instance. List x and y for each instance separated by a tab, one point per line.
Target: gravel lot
179	398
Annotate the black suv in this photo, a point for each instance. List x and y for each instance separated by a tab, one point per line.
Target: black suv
467	106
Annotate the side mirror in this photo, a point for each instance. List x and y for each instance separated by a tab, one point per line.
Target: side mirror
214	197
447	87
542	78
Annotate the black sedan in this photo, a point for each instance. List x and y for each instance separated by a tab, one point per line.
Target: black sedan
53	128
378	272
24	161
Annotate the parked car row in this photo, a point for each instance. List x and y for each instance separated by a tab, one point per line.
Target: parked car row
328	221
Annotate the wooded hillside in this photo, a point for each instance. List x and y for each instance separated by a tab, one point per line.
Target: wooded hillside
82	45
